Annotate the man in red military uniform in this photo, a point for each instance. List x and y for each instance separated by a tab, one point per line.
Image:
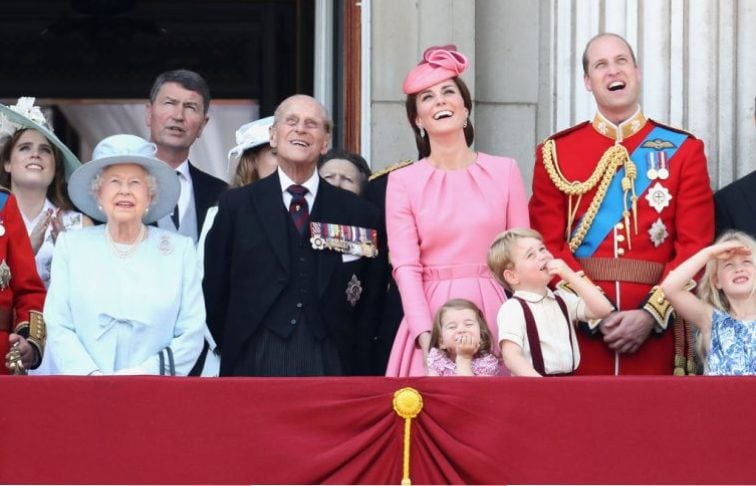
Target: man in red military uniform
22	294
624	199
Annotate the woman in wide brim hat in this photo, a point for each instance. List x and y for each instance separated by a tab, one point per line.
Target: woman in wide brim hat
27	142
125	298
443	211
35	166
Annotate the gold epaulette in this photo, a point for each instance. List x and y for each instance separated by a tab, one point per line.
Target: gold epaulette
390	168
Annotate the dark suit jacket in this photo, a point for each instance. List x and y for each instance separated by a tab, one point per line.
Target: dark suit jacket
735	206
247	267
207	190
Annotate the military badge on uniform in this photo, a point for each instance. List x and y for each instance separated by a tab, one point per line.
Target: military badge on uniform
658	232
2	228
658	197
658	144
352	240
354	290
5	275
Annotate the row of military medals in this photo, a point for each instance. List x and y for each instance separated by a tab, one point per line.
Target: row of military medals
658	196
351	240
653	173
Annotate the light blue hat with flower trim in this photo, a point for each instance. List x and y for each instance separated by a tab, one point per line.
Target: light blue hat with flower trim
25	115
125	149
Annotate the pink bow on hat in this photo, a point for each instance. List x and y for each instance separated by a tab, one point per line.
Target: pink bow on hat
439	63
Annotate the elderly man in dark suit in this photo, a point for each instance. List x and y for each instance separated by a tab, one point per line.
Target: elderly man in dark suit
176	116
290	275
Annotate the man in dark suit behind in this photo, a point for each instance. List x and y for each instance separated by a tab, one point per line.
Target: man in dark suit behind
176	116
735	204
290	279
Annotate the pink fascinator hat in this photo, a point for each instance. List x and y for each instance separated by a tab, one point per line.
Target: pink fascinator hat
439	63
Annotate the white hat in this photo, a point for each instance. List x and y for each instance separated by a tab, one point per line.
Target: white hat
250	135
25	115
125	149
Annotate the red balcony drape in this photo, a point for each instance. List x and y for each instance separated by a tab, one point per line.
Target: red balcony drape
343	430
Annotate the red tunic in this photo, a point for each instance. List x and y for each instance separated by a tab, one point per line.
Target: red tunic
24	292
689	222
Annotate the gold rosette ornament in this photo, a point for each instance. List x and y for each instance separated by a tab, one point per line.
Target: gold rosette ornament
408	403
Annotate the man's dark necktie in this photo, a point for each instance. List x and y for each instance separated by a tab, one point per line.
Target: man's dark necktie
175	213
298	208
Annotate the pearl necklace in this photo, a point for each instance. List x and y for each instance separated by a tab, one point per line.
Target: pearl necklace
125	250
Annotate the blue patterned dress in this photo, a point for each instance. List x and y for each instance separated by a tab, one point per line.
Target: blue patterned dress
733	346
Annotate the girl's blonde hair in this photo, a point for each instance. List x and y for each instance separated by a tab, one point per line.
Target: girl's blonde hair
500	252
707	291
460	304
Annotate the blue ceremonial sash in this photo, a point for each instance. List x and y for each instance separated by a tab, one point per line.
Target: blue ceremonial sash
4	196
610	211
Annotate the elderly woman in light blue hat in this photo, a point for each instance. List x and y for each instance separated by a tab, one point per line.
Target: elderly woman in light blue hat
125	298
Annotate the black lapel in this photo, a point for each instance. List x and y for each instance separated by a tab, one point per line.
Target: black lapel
201	195
268	203
326	210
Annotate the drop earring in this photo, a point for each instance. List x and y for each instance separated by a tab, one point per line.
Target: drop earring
465	125
422	131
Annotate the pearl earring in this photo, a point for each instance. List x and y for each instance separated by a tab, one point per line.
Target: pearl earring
422	131
465	125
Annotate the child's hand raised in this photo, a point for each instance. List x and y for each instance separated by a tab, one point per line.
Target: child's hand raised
729	249
557	267
466	346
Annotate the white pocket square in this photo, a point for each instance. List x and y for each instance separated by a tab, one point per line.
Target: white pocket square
346	258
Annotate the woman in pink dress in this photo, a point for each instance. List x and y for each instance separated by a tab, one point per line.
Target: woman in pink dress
443	211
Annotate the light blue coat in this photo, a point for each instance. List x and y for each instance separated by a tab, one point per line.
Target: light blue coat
114	315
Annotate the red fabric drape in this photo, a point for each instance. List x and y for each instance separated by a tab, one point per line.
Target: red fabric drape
344	430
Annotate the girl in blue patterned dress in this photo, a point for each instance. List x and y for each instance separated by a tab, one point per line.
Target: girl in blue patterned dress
725	310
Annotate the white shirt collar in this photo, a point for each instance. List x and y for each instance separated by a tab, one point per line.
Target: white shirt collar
533	297
311	184
183	168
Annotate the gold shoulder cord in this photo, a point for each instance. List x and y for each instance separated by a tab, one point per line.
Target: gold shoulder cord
612	159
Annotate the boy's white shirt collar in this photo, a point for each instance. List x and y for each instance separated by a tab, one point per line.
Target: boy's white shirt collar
533	297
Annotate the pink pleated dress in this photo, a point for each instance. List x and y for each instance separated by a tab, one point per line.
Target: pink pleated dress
440	224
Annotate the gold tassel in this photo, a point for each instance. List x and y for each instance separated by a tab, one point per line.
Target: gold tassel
408	403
